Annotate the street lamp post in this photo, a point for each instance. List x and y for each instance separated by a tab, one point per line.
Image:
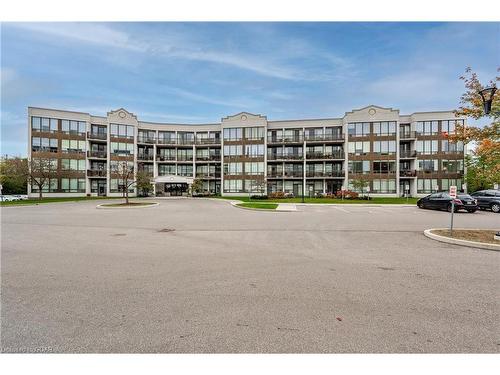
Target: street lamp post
487	95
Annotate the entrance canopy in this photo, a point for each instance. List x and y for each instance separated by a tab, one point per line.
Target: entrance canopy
174	179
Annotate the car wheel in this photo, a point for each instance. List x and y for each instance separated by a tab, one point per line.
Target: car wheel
420	205
495	207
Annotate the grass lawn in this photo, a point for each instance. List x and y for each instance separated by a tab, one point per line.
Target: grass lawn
485	236
129	204
381	200
53	200
262	206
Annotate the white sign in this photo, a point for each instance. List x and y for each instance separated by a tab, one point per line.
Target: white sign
342	188
495	186
436	188
407	187
453	191
368	189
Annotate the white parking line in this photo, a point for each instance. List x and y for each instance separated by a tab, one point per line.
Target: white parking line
341	209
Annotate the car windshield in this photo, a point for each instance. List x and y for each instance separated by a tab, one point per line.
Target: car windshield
464	196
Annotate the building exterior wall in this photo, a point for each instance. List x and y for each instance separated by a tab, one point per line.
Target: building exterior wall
248	154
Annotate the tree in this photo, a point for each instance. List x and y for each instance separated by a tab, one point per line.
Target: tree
483	165
143	183
40	171
125	174
14	175
197	186
360	184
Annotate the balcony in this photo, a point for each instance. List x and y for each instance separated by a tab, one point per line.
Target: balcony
407	154
407	134
325	138
208	141
147	172
315	174
208	175
275	174
167	141
98	136
182	141
407	173
145	156
284	156
165	157
208	158
97	154
285	139
293	174
185	158
149	140
334	174
96	173
45	149
323	155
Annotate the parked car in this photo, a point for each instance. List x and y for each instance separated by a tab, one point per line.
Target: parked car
8	198
442	201
21	197
488	199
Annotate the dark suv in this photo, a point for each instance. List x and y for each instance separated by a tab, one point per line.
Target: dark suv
488	199
442	201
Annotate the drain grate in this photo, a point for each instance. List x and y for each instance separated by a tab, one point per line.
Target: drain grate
166	230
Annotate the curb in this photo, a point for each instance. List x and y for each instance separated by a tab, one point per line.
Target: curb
258	209
453	241
103	206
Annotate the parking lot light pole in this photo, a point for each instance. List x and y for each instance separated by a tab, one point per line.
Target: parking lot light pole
487	95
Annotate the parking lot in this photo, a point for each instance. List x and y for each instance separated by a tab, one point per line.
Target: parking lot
197	275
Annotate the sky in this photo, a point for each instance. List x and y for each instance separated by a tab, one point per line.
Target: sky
200	72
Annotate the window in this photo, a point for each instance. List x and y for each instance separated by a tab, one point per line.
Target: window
122	131
452	166
384	166
448	126
233	168
117	185
359	148
73	164
185	170
72	145
254	168
427	185
255	133
166	137
427	127
166	169
447	146
232	134
185	154
384	186
233	186
36	123
384	147
49	186
359	167
124	149
427	147
234	150
254	151
359	129
44	144
384	128
73	185
428	165
447	182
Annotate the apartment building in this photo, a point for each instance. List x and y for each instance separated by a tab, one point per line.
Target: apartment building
249	154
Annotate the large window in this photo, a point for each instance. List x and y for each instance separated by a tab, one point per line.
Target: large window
234	150
384	128
166	169
119	148
254	168
232	134
185	170
256	133
44	124
447	182
427	185
49	186
72	145
233	168
185	154
73	164
427	127
384	147
73	185
233	186
384	186
427	165
359	148
427	147
73	127
117	185
384	166
44	144
358	129
448	126
452	166
253	151
122	131
359	167
447	146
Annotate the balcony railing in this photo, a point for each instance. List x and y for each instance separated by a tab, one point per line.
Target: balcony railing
165	157
184	158
182	141
167	141
407	173
208	141
285	139
407	153
145	156
275	174
97	154
208	174
96	172
101	136
324	155
208	158
294	174
384	172
44	149
407	134
284	156
150	140
324	137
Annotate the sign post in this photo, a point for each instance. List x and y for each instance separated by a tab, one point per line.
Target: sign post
453	195
342	188
368	191
407	191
